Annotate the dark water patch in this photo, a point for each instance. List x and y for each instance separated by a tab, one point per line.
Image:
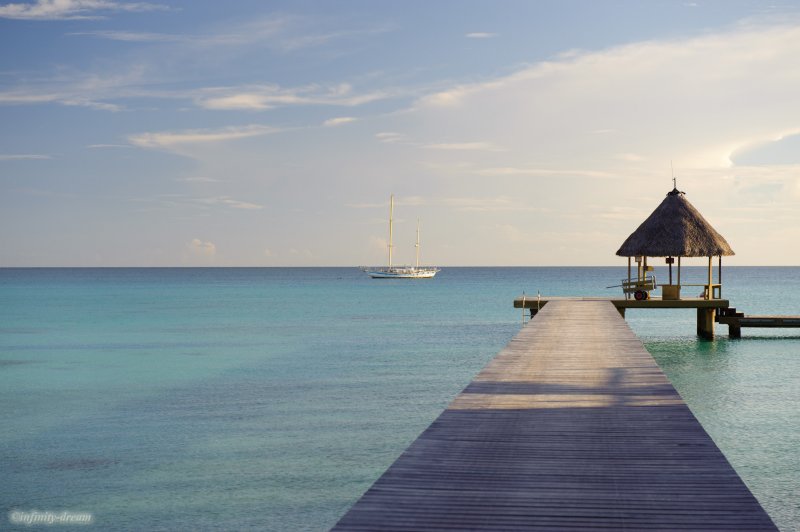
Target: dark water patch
8	363
128	346
80	464
22	330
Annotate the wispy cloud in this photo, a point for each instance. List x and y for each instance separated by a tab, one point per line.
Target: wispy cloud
23	157
67	98
461	203
131	36
319	39
72	9
91	90
488	204
630	157
261	97
279	33
169	139
198	179
541	172
391	137
112	91
339	121
227	201
480	35
465	146
107	146
172	201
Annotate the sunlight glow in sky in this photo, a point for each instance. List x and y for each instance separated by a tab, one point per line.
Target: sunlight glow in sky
254	133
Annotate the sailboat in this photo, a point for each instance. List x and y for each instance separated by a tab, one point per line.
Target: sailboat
401	272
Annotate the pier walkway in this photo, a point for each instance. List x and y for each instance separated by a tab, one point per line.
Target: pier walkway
571	426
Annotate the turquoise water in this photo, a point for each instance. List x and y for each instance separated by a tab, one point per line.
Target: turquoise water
272	398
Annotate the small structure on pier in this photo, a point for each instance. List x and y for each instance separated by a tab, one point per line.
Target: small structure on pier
675	229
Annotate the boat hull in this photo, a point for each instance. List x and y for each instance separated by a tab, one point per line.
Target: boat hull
402	273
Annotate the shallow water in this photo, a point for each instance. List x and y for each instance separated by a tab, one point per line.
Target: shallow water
272	398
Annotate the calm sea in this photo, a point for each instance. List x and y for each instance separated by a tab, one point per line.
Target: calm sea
169	399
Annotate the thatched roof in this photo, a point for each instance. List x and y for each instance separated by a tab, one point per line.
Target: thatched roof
675	229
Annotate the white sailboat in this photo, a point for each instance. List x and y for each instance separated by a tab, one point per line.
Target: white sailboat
401	272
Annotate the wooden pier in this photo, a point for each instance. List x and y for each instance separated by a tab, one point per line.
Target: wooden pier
572	426
707	309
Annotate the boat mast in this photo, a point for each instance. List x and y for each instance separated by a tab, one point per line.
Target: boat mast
391	212
417	244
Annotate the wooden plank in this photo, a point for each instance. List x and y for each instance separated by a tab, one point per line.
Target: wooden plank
761	321
572	426
654	302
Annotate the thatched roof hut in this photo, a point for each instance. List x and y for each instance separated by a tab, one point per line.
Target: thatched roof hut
675	229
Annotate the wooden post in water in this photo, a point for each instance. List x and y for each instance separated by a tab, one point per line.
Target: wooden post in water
705	322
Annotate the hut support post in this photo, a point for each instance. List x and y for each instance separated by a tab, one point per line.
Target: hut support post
719	276
705	322
629	270
679	271
709	291
670	270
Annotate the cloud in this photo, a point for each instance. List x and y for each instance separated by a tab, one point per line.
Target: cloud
248	101
89	90
170	139
736	87
465	146
261	97
172	201
109	91
23	157
72	9
201	248
391	137
339	121
486	204
107	146
630	157
541	172
64	98
198	179
280	33
131	36
480	35
447	98
230	202
291	43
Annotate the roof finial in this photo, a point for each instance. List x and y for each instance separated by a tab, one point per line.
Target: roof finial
675	190
672	170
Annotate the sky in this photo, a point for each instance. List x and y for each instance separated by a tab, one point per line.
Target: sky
531	133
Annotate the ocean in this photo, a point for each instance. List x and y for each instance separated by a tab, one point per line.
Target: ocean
272	398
